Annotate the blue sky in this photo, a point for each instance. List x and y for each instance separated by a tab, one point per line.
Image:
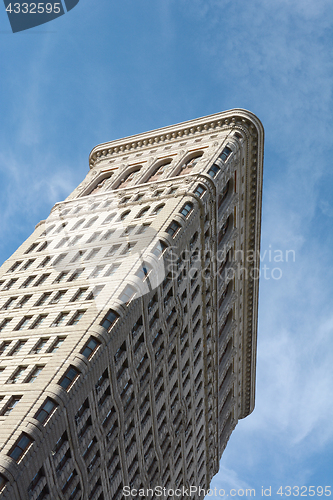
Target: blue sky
110	69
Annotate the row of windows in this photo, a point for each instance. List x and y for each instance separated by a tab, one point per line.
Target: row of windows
61	319
38	348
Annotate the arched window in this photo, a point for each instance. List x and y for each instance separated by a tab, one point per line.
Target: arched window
189	164
157	209
159	171
142	212
128	178
124	215
100	184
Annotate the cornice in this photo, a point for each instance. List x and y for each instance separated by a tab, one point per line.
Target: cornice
208	124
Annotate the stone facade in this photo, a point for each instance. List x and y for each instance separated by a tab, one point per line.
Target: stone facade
128	319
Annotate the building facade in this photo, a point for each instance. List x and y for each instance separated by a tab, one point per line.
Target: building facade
128	319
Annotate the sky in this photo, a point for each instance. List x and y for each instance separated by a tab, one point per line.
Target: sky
107	70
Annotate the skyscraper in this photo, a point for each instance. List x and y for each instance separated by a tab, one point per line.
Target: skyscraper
128	319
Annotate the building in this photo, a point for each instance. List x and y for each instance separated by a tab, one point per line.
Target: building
128	318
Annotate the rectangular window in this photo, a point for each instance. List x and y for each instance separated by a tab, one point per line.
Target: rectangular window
59	259
46	410
214	170
113	250
68	379
55	346
35	481
17	375
95	292
39	346
173	228
14	266
58	296
4	323
10	283
18	346
43	298
90	347
9	303
200	190
79	255
128	294
61	277
28	264
60	319
28	281
75	275
32	248
93	237
97	271
39	320
23	323
93	253
79	294
109	319
23	301
10	405
34	374
108	234
4	346
21	446
45	261
76	318
112	269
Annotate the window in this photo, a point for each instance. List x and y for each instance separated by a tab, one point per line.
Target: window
173	228
109	218
78	224
108	234
35	481
159	171
200	190
61	277
21	446
78	256
60	319
39	320
45	261
76	318
75	240
46	410
113	250
128	230
18	346
214	170
144	271
109	319
157	209
90	347
14	266
91	222
9	303
39	346
97	271
100	184
28	264
79	294
142	212
187	208
10	405
23	301
189	164
58	296
4	323
95	292
68	379
16	375
225	153
34	374
4	346
43	246
23	323
112	269
32	248
11	282
127	295
159	249
55	346
128	178
124	215
43	298
63	241
75	275
93	253
94	237
128	248
142	229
